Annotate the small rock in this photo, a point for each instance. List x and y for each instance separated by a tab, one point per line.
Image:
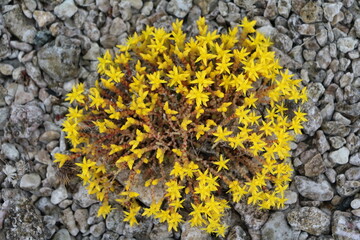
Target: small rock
268	31
315	166
311	12
30	5
314	121
45	206
81	216
160	231
43	37
62	234
179	8
83	198
340	156
69	221
322	36
284	7
348	109
59	195
108	41
4	116
321	143
10	151
137	4
315	91
344	226
357	27
103	5
91	30
65	203
237	233
355	204
223	8
49	136
93	53
30	182
4	46
114	221
43	18
283	42
356	67
148	7
291	197
22	96
194	233
335	128
356	213
331	9
346	44
65	10
309	219
346	79
323	57
22	46
125	10
271	10
307	29
6	69
337	142
111	236
97	229
276	227
318	191
252	216
60	58
353	174
19	25
118	27
355	159
43	157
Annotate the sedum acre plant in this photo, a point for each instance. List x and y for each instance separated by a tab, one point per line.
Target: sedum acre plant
189	119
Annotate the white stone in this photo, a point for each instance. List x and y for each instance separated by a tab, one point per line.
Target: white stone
59	195
6	69
331	9
346	44
30	181
43	18
355	204
10	151
340	156
179	8
65	10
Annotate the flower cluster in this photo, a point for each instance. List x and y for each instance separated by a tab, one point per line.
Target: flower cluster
193	117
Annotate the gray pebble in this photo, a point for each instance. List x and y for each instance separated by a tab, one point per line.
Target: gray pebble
179	8
10	151
66	9
340	156
30	182
318	191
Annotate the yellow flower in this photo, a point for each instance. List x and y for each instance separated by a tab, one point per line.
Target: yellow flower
221	134
131	215
184	123
222	163
224	107
247	26
61	159
199	96
104	209
76	94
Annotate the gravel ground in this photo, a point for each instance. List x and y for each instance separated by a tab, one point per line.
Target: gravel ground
46	46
